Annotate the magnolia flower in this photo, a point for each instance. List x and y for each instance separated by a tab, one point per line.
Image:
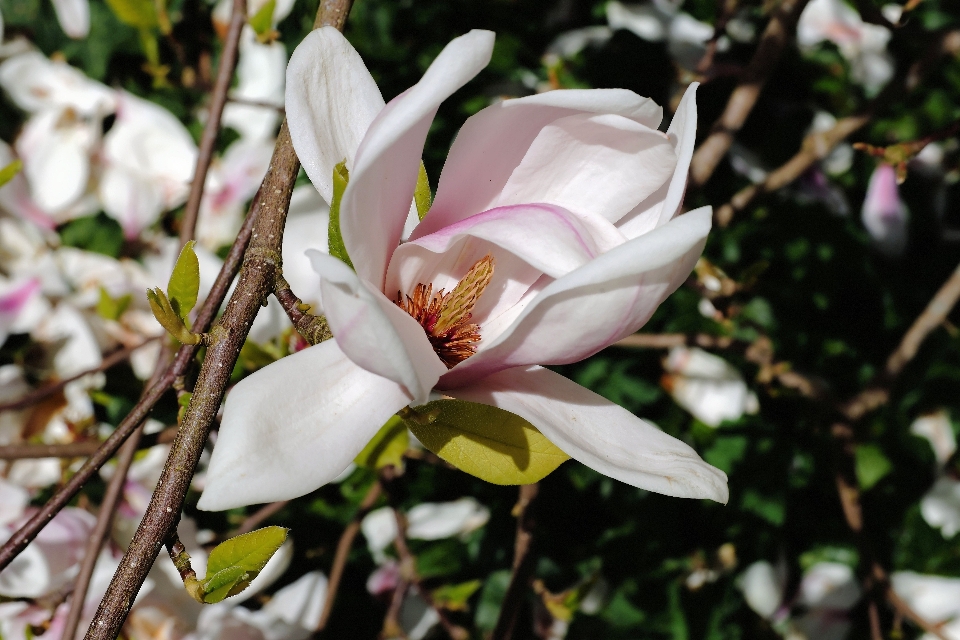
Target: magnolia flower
863	45
662	20
260	79
762	586
17	301
884	215
940	507
707	386
149	159
50	561
61	136
554	230
15	197
74	17
935	598
426	521
937	429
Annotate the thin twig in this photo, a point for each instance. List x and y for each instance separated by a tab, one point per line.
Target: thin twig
44	392
77	449
314	329
343	553
522	563
775	38
22	537
208	141
257	103
817	146
261	266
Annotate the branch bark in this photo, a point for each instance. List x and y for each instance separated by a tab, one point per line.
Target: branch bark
22	537
77	449
261	267
818	146
228	63
522	563
776	36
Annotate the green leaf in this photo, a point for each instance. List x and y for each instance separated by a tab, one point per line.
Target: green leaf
168	318
235	563
454	596
112	308
99	233
387	447
491	599
340	179
871	465
262	20
12	169
486	442
422	196
184	282
141	14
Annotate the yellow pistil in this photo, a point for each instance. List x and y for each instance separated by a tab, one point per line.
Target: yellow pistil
446	316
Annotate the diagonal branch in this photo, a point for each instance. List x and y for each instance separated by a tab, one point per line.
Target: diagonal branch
228	62
261	267
22	537
817	146
522	563
775	38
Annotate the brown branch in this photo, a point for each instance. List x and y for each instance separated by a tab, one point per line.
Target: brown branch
343	552
668	340
44	392
76	449
817	146
261	267
259	516
314	329
22	537
100	531
775	38
208	141
522	563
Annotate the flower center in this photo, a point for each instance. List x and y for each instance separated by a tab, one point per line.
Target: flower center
446	316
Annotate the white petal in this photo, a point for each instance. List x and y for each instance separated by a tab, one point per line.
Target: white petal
379	527
830	585
492	143
937	429
940	507
602	164
307	223
377	200
331	101
131	200
439	520
600	434
607	299
762	588
664	204
295	425
74	17
374	332
935	598
300	603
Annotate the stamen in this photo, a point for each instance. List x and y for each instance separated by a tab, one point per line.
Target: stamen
446	317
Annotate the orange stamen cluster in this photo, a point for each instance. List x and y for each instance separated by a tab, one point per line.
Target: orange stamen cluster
446	316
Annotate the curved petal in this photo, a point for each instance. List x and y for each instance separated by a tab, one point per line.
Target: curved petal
599	433
294	426
664	204
602	164
73	16
492	143
377	199
594	306
544	236
373	331
331	99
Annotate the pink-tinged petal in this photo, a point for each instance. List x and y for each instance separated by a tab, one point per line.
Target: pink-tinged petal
602	164
884	214
377	199
608	298
294	426
492	143
73	16
599	433
331	101
664	204
373	331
